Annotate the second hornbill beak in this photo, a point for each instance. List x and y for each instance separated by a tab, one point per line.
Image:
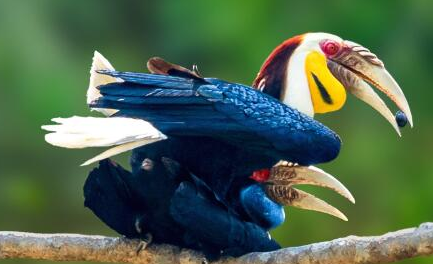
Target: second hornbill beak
283	176
355	66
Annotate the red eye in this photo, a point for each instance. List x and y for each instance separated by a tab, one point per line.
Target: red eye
330	47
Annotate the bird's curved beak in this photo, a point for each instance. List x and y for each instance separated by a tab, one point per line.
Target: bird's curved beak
355	67
283	176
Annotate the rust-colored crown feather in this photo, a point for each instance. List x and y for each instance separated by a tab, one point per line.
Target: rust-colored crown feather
272	75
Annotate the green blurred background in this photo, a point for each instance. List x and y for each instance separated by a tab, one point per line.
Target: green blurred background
45	54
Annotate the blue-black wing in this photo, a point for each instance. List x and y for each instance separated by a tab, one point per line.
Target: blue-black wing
235	113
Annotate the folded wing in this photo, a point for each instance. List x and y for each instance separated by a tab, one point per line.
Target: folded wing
238	114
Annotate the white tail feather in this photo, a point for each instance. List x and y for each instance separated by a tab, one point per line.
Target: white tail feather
96	79
117	150
83	132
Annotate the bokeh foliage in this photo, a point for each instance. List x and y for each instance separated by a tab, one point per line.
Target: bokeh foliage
45	54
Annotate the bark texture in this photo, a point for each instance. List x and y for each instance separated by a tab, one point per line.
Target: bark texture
390	247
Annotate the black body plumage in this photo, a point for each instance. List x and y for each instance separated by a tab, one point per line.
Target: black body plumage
196	192
162	199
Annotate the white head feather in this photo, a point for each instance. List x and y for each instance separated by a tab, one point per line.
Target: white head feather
297	93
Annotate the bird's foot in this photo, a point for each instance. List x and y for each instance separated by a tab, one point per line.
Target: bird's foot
282	177
204	261
144	242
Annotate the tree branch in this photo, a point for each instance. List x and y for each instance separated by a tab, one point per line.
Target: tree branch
387	248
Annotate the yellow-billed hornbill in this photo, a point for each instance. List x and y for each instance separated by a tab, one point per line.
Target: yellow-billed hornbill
216	134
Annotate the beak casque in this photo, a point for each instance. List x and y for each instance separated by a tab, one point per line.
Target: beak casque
355	66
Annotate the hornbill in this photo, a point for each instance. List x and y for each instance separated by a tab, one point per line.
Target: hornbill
202	147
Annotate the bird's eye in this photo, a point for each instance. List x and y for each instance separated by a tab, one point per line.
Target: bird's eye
330	47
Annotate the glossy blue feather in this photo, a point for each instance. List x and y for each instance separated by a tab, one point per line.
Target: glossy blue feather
260	207
157	80
288	133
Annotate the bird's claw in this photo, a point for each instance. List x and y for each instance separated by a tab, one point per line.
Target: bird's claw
284	175
144	242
